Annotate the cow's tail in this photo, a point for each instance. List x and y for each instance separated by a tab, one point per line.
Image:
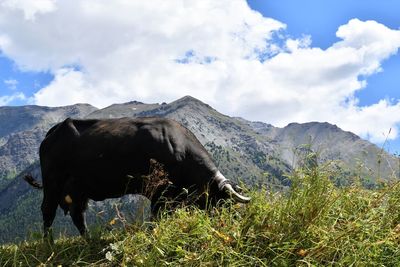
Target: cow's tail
29	178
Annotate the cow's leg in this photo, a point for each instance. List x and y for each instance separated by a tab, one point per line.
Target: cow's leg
77	203
49	208
158	200
77	209
51	195
168	196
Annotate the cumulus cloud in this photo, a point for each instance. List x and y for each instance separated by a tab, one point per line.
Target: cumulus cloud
7	99
221	52
29	8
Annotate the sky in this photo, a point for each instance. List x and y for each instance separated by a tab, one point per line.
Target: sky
266	60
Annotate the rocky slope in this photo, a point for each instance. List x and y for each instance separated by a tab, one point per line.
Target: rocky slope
255	153
255	150
23	128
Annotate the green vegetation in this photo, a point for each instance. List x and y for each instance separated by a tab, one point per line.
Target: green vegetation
7	178
313	223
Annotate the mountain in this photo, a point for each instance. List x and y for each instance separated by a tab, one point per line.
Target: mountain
354	155
23	128
255	153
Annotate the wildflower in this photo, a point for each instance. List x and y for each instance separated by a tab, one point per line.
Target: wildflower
302	252
112	222
109	256
225	238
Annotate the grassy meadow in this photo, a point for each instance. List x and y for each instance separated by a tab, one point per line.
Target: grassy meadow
313	223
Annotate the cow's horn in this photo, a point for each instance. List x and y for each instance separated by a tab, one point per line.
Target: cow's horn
238	197
224	185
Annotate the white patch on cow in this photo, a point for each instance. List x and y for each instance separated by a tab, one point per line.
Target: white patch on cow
68	199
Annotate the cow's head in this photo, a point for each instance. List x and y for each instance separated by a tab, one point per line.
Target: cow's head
222	188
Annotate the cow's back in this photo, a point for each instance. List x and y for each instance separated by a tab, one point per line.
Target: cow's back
97	151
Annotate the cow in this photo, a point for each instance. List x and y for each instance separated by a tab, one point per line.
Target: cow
108	158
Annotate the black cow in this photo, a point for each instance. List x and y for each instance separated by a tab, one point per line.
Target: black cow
99	159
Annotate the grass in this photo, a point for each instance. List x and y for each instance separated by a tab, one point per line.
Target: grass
314	223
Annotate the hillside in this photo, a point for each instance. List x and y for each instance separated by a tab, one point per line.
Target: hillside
313	224
255	153
23	128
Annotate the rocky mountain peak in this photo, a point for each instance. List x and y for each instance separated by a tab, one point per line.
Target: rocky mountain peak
189	101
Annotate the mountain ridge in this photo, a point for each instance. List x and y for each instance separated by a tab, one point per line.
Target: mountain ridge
255	153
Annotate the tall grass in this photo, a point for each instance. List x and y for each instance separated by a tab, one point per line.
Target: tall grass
314	223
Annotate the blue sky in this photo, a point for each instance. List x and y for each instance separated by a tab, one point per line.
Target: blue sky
13	79
320	20
334	61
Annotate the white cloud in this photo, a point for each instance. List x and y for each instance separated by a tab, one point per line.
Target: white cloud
221	52
7	99
11	84
28	7
383	116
